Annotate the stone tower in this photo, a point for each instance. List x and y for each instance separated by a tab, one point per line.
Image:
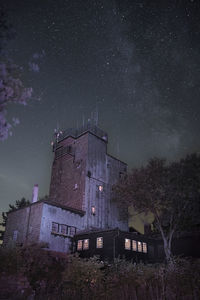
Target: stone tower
83	174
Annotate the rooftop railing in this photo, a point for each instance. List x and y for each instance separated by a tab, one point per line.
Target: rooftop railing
79	131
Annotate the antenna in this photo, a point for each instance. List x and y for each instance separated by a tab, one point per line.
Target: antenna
95	116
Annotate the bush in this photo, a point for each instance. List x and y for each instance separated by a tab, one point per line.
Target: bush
52	276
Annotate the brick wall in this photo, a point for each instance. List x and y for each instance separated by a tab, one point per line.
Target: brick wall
68	173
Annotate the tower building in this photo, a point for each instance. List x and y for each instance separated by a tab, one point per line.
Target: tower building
80	197
83	174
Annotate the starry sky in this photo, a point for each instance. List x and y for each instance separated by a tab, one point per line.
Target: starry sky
135	62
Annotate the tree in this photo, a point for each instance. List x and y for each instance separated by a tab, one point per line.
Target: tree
18	204
170	191
12	89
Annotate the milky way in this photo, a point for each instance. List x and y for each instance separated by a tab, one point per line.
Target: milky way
137	62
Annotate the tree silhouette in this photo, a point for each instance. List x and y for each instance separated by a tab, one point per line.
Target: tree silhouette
170	191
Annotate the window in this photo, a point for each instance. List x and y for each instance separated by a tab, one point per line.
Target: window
144	247
99	242
134	245
72	230
69	149
120	175
93	210
127	244
75	186
86	244
139	246
15	233
79	245
63	229
101	188
55	227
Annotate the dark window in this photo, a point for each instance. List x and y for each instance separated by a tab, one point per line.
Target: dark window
15	234
72	231
69	149
55	227
63	229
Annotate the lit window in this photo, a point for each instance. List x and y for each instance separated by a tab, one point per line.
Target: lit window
63	229
93	210
100	188
99	242
55	227
72	230
134	245
144	246
79	245
75	186
86	244
127	244
139	246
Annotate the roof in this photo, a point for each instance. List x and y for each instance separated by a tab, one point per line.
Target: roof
53	203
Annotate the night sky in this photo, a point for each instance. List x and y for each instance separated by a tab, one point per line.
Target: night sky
136	62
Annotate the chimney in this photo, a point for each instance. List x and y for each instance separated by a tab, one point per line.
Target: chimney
35	193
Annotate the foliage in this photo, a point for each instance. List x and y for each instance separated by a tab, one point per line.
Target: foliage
84	276
170	191
52	276
12	89
18	204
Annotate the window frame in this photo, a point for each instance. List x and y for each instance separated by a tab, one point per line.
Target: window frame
99	242
52	225
139	246
134	243
127	241
86	243
93	210
144	249
66	229
79	245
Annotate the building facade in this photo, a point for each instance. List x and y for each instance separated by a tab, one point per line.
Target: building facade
79	214
80	194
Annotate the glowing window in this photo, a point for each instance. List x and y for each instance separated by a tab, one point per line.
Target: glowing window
99	242
55	227
127	244
63	229
79	245
134	245
93	210
86	244
139	246
144	247
100	188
